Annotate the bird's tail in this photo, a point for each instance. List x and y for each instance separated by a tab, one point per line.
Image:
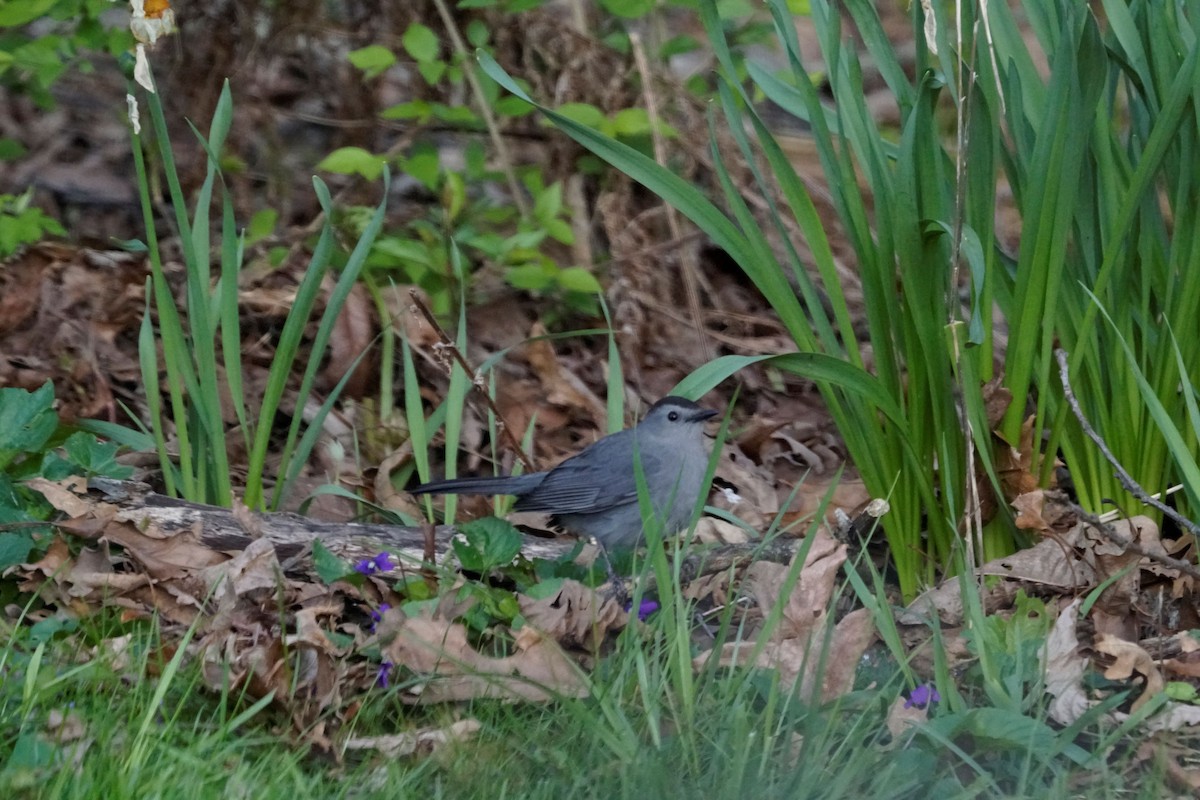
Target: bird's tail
511	484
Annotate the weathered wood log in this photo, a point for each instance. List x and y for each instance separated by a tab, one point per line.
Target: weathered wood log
293	535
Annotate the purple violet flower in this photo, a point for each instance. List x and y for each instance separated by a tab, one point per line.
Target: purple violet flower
377	615
645	608
379	563
922	696
382	679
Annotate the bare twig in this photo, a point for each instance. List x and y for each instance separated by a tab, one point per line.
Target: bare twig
1110	533
1124	477
452	348
687	258
485	110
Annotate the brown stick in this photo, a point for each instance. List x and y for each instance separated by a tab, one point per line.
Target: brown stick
476	381
1124	477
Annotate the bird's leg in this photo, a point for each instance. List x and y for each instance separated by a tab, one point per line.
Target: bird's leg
615	585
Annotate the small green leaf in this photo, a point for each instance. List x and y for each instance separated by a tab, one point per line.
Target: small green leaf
530	277
423	165
512	107
420	110
14	549
477	32
578	279
560	231
420	42
431	71
27	421
329	567
351	161
373	59
545	589
15	14
486	543
631	122
548	202
262	225
583	113
94	456
454	195
456	115
11	149
679	45
1181	691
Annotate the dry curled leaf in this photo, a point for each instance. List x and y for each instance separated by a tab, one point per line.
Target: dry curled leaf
1131	659
437	650
577	616
804	628
419	742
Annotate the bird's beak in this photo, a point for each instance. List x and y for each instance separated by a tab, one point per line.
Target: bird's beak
703	414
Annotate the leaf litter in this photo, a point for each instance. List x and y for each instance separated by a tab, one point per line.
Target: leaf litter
271	628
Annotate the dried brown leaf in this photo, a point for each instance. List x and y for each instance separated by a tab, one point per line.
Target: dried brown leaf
576	616
423	741
795	642
1130	659
438	651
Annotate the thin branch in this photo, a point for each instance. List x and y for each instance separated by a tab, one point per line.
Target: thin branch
485	110
1124	477
1125	543
687	257
448	344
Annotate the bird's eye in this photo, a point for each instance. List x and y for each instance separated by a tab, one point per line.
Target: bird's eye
673	416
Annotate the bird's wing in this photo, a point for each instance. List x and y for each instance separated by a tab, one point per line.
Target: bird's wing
599	478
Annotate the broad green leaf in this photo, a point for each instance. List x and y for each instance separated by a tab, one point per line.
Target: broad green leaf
373	59
14	549
489	543
420	42
329	567
578	279
353	161
27	421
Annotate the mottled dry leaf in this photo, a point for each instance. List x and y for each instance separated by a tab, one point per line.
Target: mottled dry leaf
438	651
1016	464
576	617
64	495
1174	756
1029	507
795	643
51	564
1053	563
902	716
252	569
419	742
163	555
353	332
710	530
1131	658
562	386
93	574
1065	668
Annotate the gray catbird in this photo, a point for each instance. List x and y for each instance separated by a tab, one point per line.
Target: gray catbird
594	494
